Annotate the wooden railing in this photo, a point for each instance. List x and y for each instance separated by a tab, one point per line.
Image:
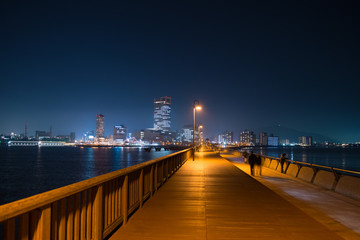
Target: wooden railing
315	167
90	209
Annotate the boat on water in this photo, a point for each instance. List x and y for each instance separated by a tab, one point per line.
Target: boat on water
36	144
23	144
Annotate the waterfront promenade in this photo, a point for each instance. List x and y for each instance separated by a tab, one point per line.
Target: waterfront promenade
210	198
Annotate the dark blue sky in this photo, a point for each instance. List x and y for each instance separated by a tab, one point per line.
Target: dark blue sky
251	64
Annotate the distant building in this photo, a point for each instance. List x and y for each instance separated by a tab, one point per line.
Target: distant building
72	137
89	136
64	138
186	135
229	137
220	138
305	141
285	142
149	136
162	111
263	139
247	138
100	131
39	135
273	141
201	134
119	133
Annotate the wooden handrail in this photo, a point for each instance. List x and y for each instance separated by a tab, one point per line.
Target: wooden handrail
89	198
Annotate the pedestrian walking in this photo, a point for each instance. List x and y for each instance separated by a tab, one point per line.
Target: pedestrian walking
282	161
252	160
258	165
245	154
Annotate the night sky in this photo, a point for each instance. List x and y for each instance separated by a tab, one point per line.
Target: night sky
251	64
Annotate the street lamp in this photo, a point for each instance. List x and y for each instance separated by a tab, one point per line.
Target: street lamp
196	106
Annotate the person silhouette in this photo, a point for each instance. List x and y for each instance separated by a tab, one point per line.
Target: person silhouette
282	161
252	161
258	164
245	154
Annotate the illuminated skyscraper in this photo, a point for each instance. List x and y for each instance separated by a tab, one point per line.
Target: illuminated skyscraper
162	110
119	133
229	137
247	138
100	126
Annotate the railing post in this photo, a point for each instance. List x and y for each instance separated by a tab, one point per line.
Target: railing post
141	187
77	217
337	177
62	219
40	223
299	167
315	169
70	218
155	176
24	226
286	166
9	229
124	198
98	215
166	169
151	180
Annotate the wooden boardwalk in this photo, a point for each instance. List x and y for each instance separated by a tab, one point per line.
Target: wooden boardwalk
210	198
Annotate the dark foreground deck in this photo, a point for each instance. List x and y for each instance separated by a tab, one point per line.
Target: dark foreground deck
210	198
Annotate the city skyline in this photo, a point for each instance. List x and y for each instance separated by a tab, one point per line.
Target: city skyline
251	64
119	132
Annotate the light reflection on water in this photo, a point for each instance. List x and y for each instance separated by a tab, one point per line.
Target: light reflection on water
25	171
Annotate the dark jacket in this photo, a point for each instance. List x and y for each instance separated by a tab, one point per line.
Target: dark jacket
252	159
282	159
258	161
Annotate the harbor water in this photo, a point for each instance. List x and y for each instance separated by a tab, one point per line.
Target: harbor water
26	171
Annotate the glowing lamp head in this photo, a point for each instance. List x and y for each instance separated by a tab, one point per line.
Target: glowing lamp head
198	107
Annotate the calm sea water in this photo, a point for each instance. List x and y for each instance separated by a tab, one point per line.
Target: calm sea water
25	171
344	158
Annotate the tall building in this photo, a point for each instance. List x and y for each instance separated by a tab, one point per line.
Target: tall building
119	133
186	134
72	137
228	137
247	138
263	139
100	132
305	141
162	111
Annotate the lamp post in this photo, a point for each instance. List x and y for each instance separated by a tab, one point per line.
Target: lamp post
196	106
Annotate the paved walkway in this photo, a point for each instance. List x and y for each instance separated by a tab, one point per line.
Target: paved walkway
210	198
338	212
